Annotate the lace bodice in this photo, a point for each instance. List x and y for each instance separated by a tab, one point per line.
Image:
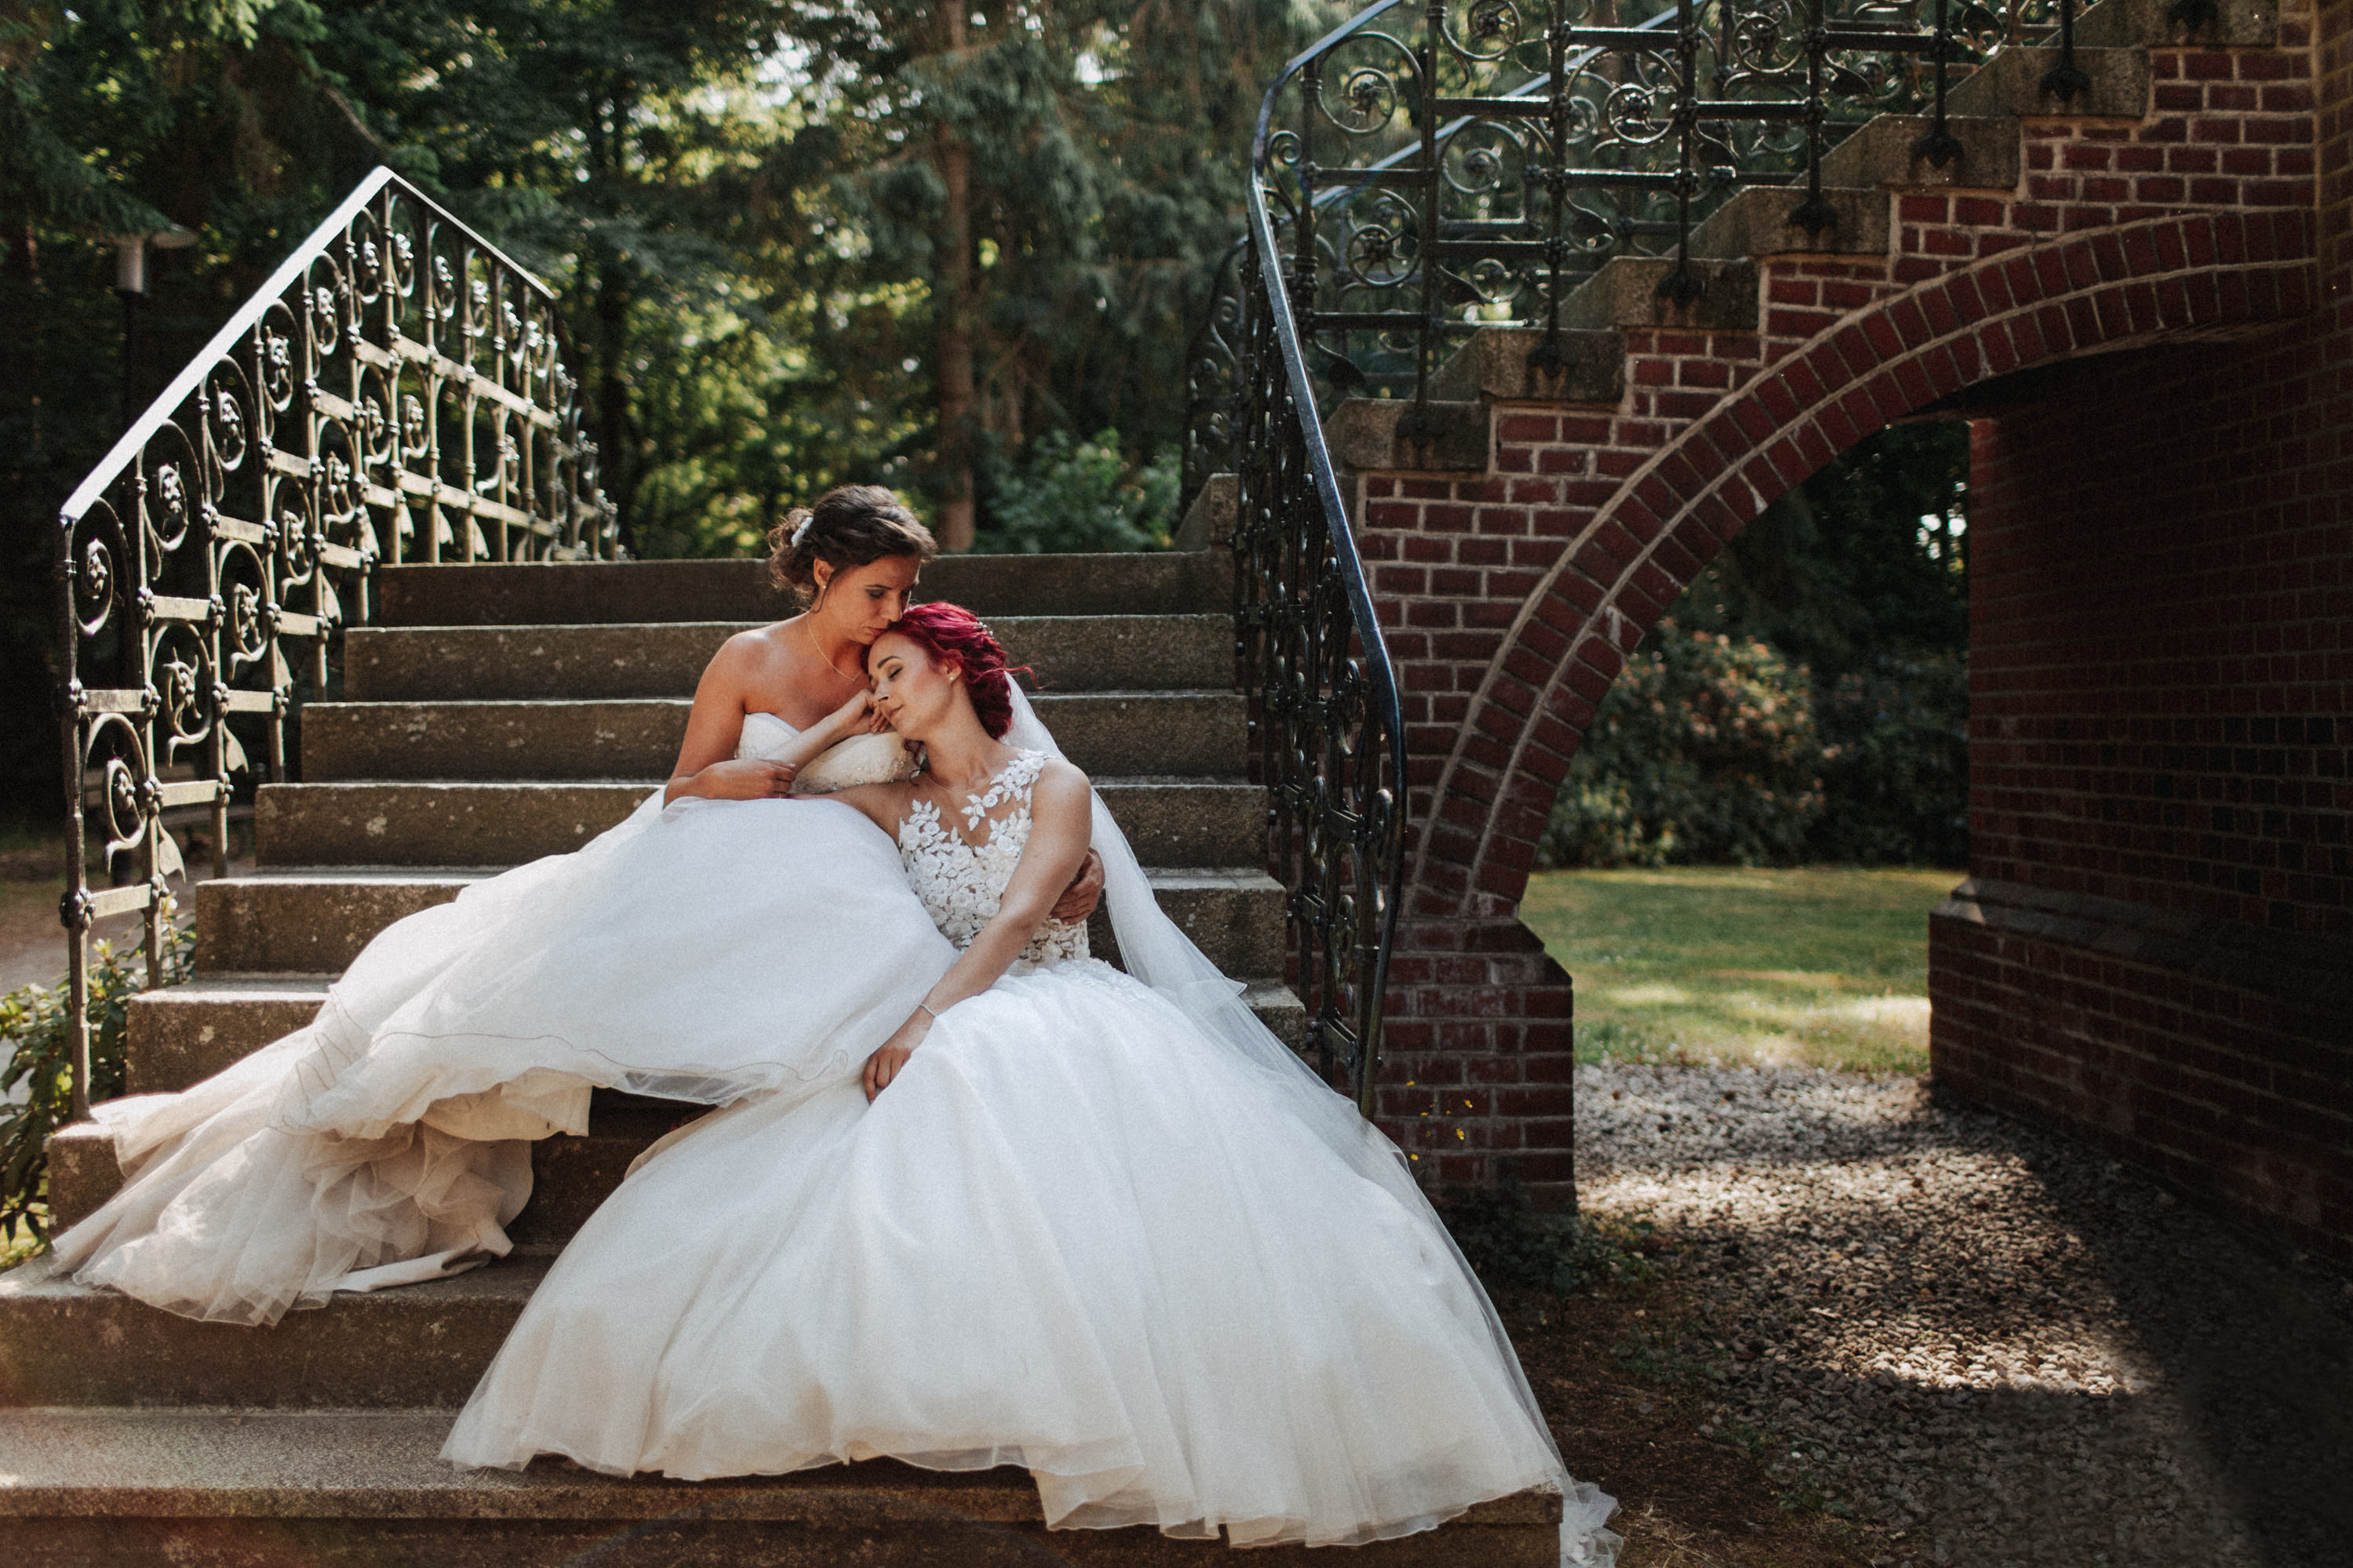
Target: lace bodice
962	883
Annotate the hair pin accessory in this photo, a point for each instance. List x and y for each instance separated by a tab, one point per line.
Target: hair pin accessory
807	518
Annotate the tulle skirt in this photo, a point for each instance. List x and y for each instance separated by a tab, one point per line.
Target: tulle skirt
1074	1234
702	952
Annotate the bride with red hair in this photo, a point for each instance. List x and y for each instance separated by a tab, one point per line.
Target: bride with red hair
1102	1225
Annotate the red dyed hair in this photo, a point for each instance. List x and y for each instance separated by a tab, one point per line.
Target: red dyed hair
956	637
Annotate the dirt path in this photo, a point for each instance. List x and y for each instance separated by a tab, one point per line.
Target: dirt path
1957	1341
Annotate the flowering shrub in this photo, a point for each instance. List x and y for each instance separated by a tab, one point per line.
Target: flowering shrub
1895	763
1705	751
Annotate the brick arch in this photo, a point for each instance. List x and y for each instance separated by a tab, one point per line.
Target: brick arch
2166	279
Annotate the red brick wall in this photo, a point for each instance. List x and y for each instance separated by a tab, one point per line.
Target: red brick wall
2155	950
1511	598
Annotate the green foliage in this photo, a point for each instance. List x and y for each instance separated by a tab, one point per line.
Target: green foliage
1895	764
1509	1241
1867	560
1703	751
1082	496
36	1081
1859	579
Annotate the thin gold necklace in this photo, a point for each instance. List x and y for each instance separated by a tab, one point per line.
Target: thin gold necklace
821	653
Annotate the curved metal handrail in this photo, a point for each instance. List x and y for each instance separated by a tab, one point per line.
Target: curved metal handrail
397	390
1328	721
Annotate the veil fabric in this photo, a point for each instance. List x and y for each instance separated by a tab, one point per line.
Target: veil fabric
1155	951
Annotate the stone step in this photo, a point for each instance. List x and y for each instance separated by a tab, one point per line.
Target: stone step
571	1175
639	591
113	1487
1761	221
1884	154
1070	653
1624	292
419	1346
2011	83
1172	822
1189	734
2241	24
313	921
183	1034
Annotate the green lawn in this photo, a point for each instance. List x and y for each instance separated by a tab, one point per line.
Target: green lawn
1827	967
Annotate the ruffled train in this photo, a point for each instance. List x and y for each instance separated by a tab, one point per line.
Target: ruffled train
704	952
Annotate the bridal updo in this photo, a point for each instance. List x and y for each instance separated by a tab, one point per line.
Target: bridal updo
850	525
956	637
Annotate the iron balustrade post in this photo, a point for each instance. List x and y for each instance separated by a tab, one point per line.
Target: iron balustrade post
1681	285
1414	425
1815	215
1302	266
1548	357
2066	80
1939	145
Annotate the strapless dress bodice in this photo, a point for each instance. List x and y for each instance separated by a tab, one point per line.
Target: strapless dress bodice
859	760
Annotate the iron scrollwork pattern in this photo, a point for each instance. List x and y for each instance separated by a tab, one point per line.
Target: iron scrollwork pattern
1436	166
1328	730
398	392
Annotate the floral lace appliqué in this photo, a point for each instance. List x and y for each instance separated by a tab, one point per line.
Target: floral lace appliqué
962	883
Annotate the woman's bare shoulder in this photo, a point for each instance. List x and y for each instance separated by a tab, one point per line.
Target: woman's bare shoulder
749	657
1060	782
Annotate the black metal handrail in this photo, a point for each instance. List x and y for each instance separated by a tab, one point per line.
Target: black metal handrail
398	391
1328	728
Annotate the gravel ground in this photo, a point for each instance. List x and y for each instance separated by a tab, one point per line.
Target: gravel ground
2000	1346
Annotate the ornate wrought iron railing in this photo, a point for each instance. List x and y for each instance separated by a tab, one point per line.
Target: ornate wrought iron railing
397	392
1327	728
1566	133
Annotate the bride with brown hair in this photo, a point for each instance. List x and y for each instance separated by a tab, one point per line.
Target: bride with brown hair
1099	1225
695	952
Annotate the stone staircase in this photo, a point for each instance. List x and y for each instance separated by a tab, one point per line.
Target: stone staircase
1864	180
491	715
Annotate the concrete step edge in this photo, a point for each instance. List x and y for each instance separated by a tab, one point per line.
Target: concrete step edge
117	1462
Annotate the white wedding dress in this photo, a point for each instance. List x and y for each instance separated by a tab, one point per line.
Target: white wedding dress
1078	1234
1106	1227
703	951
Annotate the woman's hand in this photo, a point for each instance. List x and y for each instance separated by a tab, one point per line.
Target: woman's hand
853	717
1085	891
893	1054
741	778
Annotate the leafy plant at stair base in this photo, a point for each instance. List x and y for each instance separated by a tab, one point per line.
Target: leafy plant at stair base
1509	1241
1082	496
37	1080
1705	751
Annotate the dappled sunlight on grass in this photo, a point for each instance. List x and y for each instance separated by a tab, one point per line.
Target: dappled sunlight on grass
1821	966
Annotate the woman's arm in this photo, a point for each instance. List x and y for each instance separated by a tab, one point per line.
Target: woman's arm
1060	821
707	764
